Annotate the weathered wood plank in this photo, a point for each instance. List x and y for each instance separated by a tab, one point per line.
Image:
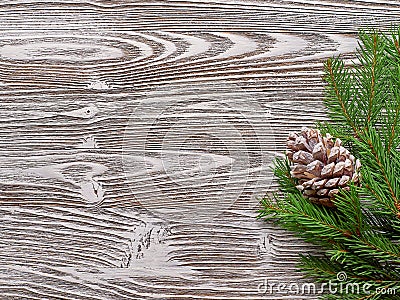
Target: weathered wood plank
136	136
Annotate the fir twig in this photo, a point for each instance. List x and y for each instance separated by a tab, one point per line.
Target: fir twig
361	235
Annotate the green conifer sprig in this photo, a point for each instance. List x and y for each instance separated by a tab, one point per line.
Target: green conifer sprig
361	235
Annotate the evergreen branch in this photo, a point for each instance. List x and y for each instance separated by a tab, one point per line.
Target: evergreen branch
393	52
361	234
383	168
333	68
287	184
379	245
372	84
380	199
348	204
298	215
321	268
393	127
370	76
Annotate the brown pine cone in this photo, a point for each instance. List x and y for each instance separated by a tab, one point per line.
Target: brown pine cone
321	165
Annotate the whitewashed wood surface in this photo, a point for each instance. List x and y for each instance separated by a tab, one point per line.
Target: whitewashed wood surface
136	136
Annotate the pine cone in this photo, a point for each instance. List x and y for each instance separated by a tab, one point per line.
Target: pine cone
321	165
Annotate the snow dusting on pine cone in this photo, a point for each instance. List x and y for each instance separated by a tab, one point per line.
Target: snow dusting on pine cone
321	165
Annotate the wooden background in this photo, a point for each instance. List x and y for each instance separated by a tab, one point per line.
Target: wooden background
136	136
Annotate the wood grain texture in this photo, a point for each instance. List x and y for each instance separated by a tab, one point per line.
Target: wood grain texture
137	135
